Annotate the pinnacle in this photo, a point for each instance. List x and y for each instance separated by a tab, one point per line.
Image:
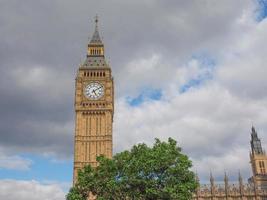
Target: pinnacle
96	37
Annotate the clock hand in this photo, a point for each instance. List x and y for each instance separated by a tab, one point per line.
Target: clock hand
98	88
94	92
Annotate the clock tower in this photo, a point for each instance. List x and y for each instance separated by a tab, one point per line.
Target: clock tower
94	107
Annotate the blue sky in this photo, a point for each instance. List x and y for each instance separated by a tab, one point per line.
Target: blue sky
262	11
179	67
41	169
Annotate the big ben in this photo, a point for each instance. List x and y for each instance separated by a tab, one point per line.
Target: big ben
94	106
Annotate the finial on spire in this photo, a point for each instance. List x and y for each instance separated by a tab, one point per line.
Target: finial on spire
96	20
96	38
253	129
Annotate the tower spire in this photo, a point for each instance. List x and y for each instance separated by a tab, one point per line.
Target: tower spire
96	21
211	179
226	184
241	185
96	37
95	46
240	179
197	178
255	142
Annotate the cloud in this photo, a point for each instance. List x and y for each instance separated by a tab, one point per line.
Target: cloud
210	124
30	190
211	119
208	109
14	162
243	68
231	162
206	114
36	110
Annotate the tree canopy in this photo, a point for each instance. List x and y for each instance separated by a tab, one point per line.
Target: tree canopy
143	173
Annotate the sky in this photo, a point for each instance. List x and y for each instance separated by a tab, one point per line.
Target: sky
193	70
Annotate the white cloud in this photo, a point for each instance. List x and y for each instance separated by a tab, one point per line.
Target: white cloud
243	70
30	190
149	71
14	162
211	121
205	114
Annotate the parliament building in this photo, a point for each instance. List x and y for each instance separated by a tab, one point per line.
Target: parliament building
94	108
253	189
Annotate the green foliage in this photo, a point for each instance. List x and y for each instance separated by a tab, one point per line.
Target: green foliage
143	173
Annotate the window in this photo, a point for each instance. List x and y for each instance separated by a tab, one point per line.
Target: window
262	167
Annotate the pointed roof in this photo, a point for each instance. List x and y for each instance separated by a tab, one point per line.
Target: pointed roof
96	37
254	133
211	179
240	179
95	53
197	177
255	142
226	178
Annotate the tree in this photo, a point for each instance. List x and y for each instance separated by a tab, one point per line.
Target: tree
143	173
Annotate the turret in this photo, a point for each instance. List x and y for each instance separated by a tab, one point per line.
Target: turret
212	184
258	160
255	143
241	184
226	184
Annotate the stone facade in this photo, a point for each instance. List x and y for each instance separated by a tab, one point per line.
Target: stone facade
230	191
254	189
94	107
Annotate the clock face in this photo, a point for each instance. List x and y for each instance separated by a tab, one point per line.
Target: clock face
94	91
